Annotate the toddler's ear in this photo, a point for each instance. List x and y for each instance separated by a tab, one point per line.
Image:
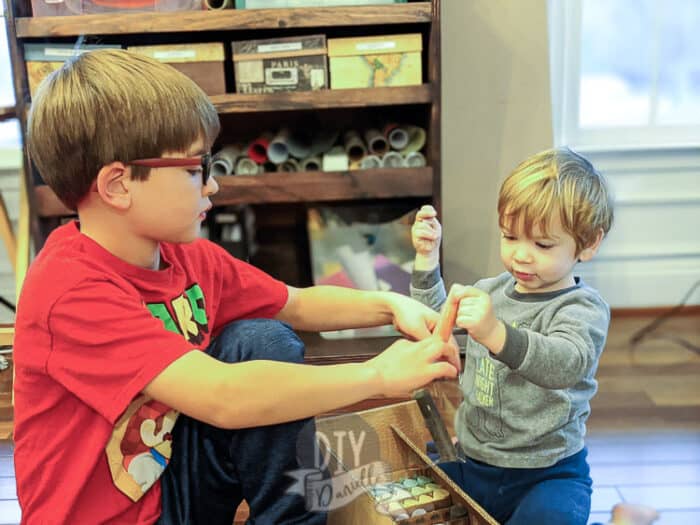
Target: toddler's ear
589	252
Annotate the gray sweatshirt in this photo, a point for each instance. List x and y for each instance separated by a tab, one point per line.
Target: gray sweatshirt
527	406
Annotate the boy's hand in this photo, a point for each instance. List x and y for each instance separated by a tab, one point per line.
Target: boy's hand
426	234
476	315
408	365
412	318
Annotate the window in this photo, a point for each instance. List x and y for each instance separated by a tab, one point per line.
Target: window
625	73
9	130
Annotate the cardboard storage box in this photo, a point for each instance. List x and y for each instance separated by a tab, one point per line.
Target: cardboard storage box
388	60
84	7
43	59
280	64
365	449
203	63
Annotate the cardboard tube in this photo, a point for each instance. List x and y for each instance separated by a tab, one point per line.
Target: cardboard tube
393	159
376	143
415	159
218	4
290	165
246	166
299	144
370	161
311	164
354	146
323	141
277	150
397	137
224	161
416	139
257	150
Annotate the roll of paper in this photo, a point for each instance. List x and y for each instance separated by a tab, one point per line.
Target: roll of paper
416	139
323	141
376	143
415	159
370	161
278	150
290	165
335	159
354	146
246	166
311	164
224	161
257	149
396	135
393	159
219	4
299	143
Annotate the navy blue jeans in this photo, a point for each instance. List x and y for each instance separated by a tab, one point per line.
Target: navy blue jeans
212	469
556	495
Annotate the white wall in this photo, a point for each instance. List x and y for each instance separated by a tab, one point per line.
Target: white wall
652	254
496	112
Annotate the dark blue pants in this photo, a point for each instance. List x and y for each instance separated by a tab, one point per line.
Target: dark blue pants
211	469
556	495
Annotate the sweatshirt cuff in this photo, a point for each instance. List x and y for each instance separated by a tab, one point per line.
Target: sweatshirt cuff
514	349
424	280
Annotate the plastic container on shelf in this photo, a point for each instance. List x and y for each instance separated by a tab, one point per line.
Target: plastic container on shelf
85	7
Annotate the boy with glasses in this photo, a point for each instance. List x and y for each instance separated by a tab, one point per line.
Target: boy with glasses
157	378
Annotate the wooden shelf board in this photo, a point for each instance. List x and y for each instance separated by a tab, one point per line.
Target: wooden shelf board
383	183
224	20
321	99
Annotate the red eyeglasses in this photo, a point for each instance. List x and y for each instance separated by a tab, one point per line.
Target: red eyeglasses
203	161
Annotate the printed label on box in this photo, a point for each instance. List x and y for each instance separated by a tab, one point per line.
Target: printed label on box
281	76
273	48
167	55
375	46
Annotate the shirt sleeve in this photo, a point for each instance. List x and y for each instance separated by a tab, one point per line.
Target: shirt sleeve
567	351
246	291
428	287
106	346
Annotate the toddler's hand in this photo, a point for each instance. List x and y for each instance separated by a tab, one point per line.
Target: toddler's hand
476	315
426	233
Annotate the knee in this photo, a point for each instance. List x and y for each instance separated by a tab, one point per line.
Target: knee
258	339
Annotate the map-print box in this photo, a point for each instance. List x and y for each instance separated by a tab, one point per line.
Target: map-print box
388	60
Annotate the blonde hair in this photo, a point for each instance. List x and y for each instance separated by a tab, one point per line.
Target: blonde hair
557	181
112	105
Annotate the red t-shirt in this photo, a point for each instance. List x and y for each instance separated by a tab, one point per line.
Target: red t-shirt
91	332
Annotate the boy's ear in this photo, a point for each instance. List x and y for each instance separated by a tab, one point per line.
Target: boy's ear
112	183
588	252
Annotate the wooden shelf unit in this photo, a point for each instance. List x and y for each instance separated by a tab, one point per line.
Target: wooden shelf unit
284	192
222	20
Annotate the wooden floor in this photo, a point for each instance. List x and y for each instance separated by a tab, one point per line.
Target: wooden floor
644	431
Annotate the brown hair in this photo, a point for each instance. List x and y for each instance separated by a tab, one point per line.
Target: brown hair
112	105
557	181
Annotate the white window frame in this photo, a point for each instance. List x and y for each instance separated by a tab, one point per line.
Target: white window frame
565	50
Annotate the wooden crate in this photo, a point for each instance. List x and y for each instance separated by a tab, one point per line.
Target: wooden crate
398	438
